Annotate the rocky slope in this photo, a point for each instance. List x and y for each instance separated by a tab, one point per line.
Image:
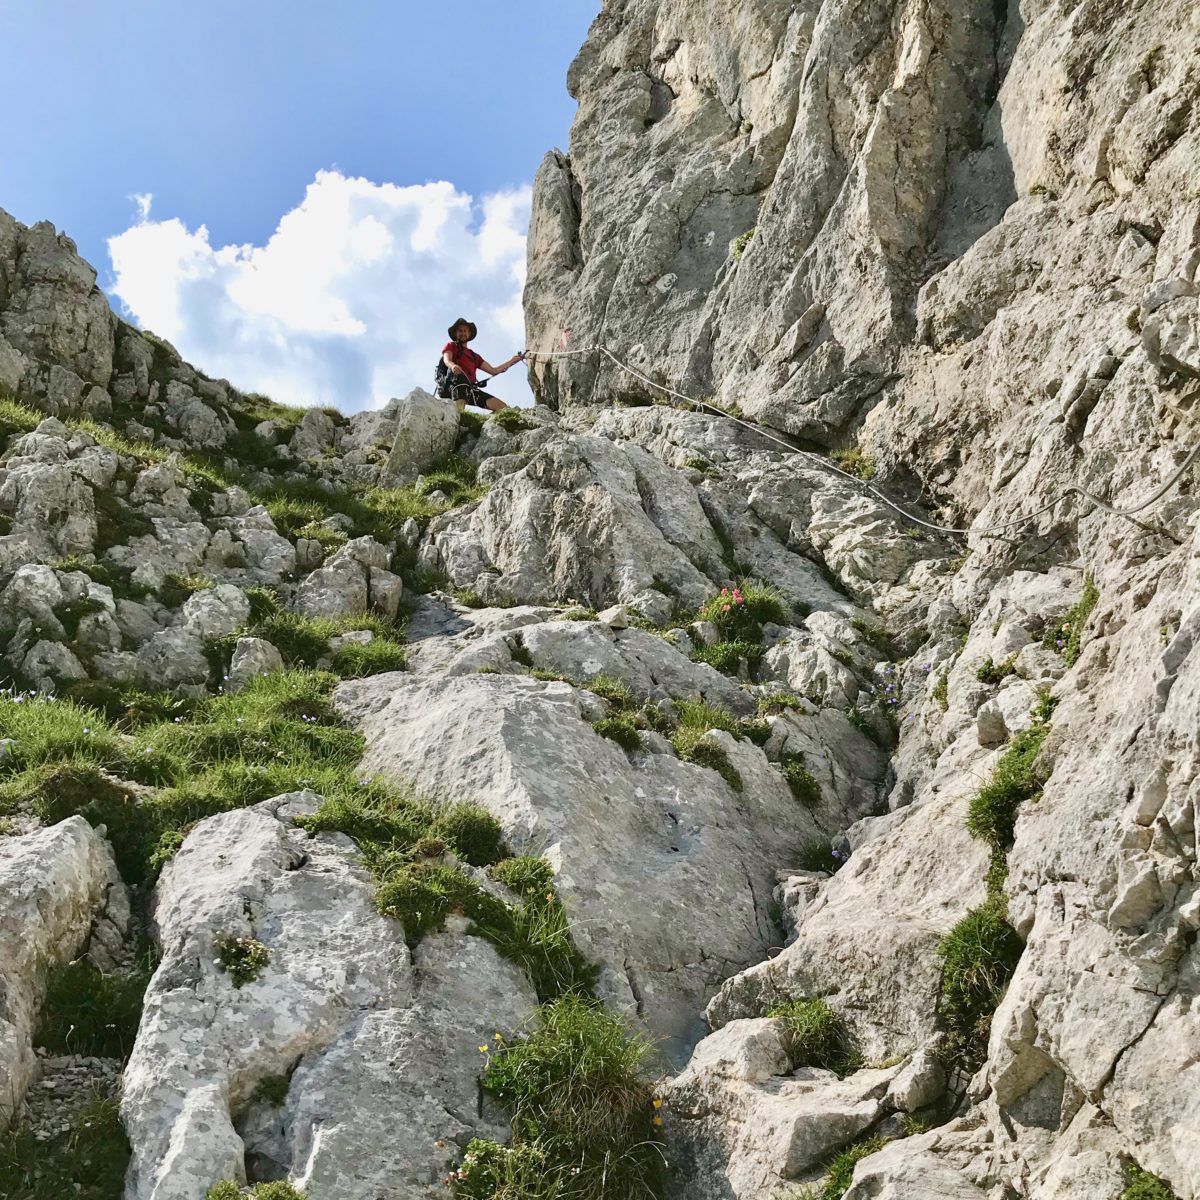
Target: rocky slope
963	241
341	756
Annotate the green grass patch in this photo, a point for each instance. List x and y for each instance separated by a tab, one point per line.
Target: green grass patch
473	832
753	729
621	729
779	702
86	1163
800	779
454	476
578	613
535	934
90	1012
1067	637
304	642
394	831
817	1036
691	743
272	1090
582	1110
1141	1185
978	957
177	589
356	661
278	1190
243	959
738	246
740	612
609	688
941	691
526	874
728	657
511	420
992	814
839	1170
318	531
818	856
874	634
16	418
863	724
855	461
278	735
991	673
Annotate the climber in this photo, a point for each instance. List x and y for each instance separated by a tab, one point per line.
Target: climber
455	377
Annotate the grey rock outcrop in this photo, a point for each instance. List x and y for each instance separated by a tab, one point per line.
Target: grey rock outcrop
379	1046
424	432
55	885
653	856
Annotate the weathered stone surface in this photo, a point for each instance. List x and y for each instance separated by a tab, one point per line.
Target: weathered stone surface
742	1123
381	1045
54	885
252	657
424	432
868	940
665	873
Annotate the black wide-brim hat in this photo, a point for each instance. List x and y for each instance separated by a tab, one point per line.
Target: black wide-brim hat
469	324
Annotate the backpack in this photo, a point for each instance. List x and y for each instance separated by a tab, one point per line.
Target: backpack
444	386
441	380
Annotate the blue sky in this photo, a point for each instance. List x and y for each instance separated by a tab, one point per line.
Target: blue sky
226	117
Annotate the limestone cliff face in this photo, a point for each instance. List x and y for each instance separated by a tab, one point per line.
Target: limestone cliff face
905	171
965	237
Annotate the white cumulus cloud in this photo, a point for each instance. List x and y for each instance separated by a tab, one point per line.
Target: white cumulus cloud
349	300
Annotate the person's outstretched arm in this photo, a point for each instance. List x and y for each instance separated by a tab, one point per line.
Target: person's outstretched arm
487	366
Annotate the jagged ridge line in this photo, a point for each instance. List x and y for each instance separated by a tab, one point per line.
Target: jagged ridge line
825	464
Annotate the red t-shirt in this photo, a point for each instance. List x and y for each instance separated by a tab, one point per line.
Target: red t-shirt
465	357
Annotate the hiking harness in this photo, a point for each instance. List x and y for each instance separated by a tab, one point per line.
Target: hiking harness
824	463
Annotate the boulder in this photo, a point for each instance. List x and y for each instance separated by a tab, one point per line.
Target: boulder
742	1124
252	657
379	1045
665	872
55	885
425	432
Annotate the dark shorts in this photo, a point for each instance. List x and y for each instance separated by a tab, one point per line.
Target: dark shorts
470	393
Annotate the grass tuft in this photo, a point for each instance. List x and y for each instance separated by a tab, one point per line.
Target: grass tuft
691	743
511	420
992	814
740	612
620	729
978	957
855	461
87	1162
800	779
1141	1185
583	1115
1067	637
87	1011
839	1170
243	959
819	856
727	657
817	1036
